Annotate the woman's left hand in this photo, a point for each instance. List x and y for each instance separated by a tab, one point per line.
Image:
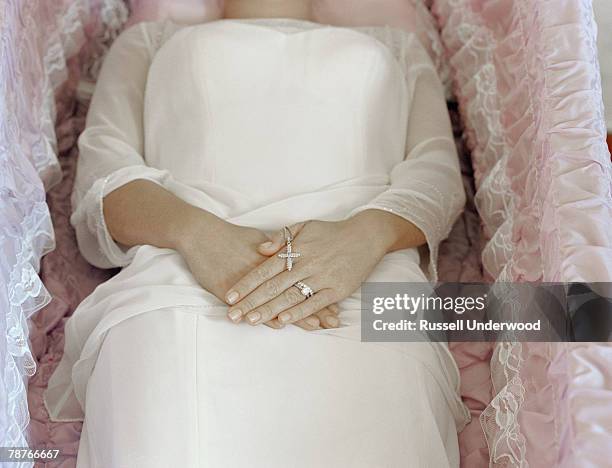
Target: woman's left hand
335	258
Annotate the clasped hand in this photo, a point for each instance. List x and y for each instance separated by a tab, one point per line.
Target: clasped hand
241	266
335	258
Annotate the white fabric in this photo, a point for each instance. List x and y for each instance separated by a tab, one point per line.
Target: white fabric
264	123
282	424
415	176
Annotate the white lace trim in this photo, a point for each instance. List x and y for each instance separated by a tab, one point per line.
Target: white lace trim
27	139
475	76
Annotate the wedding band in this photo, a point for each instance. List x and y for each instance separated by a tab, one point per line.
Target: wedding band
304	289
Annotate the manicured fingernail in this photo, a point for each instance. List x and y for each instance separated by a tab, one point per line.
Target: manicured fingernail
284	317
313	321
266	245
254	317
235	315
332	321
232	297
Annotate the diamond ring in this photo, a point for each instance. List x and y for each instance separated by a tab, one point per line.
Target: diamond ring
304	289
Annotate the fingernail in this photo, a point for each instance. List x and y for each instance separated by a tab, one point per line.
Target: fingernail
254	317
332	321
235	315
232	297
266	245
313	322
284	317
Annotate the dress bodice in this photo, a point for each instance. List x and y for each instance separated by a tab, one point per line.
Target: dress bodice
273	114
268	122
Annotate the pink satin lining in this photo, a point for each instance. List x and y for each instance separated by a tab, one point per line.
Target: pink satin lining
547	100
527	79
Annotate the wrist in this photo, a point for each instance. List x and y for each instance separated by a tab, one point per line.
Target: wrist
387	231
192	225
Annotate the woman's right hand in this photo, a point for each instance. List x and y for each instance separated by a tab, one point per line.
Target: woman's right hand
219	253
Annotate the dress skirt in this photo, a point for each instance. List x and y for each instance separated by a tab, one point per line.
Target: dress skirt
163	381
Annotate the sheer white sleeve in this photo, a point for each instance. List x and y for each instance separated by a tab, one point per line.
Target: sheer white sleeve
426	187
111	147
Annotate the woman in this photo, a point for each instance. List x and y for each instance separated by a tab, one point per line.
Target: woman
201	143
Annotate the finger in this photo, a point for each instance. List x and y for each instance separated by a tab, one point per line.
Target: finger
271	308
278	240
274	324
334	308
252	280
328	318
265	293
309	323
309	307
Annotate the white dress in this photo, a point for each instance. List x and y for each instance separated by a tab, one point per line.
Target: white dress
264	123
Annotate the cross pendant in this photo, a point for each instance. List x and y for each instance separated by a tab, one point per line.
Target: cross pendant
289	255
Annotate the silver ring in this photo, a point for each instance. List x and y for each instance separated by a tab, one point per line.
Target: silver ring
287	234
304	289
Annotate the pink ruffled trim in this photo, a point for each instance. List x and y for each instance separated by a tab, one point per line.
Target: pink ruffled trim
527	79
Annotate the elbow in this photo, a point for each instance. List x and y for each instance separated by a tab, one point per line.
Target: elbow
92	254
88	242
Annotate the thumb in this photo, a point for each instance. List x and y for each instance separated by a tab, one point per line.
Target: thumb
272	246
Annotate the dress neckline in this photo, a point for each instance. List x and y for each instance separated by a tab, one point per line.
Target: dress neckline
297	24
279	20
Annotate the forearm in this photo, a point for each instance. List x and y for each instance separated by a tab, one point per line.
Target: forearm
142	212
389	232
